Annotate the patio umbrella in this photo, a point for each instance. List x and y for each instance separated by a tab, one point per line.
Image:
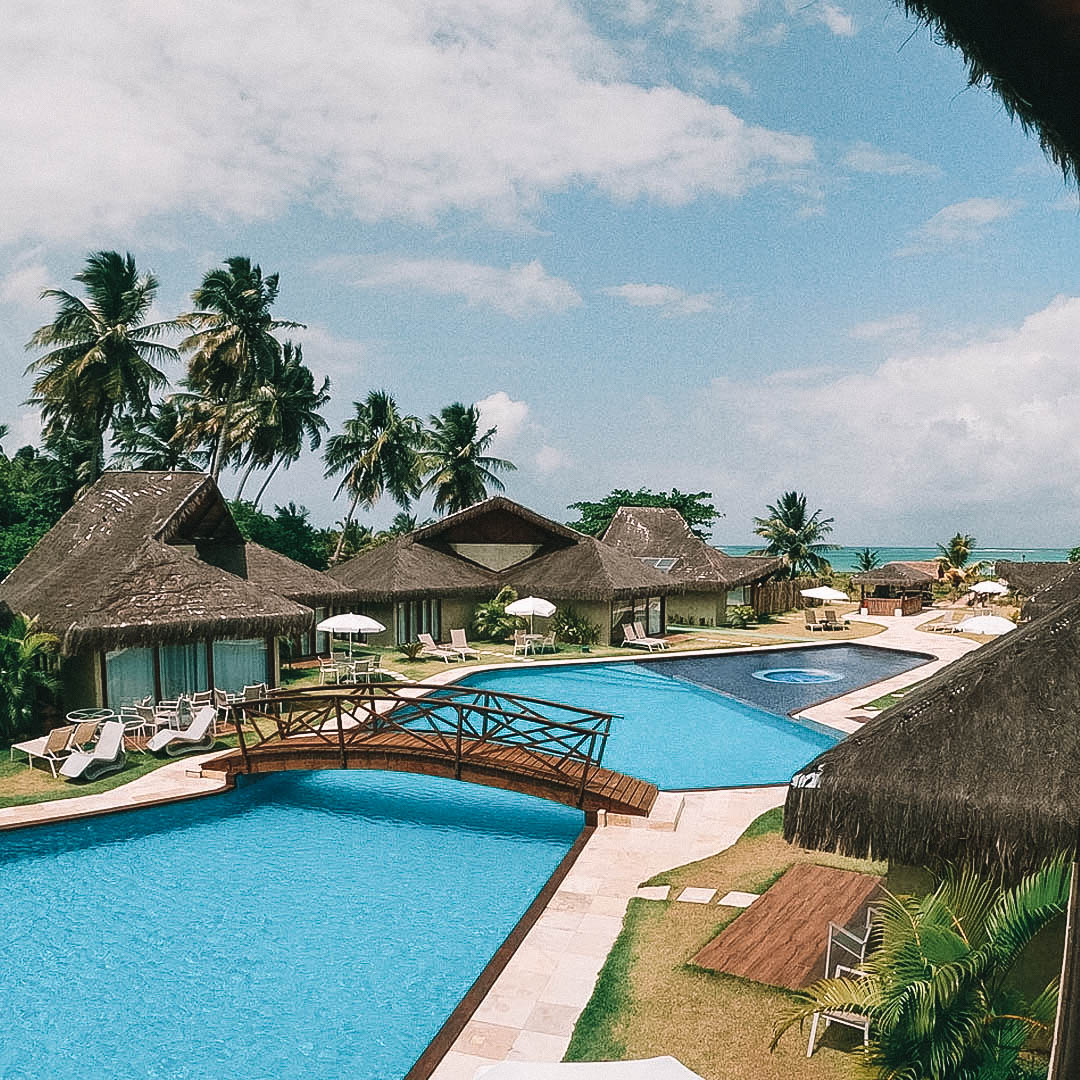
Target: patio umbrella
531	605
659	1068
823	592
989	588
349	623
986	624
979	762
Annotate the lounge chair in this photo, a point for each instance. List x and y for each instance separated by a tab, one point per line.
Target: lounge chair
429	648
106	757
831	620
838	1016
656	642
84	735
812	622
460	644
51	748
176	741
631	637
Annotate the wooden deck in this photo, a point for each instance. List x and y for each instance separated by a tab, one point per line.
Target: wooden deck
493	764
781	938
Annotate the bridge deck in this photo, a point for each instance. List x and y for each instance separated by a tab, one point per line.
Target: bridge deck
494	764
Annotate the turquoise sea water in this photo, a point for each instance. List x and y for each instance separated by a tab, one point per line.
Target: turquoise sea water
844	559
304	927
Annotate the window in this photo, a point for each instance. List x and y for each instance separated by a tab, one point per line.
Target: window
415	617
322	638
665	565
738	597
239	663
129	676
183	669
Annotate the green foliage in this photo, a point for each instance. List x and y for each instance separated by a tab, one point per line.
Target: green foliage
867	559
27	673
1074	554
410	650
490	621
797	535
957	551
458	472
571	626
741	617
772	821
698	512
288	531
936	988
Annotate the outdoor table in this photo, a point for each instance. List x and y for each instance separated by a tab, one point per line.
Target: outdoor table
80	716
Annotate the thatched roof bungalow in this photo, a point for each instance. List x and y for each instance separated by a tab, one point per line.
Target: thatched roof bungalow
151	588
660	537
980	763
897	588
431	579
1044	586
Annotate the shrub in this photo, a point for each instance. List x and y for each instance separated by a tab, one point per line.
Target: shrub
410	650
490	621
741	617
573	627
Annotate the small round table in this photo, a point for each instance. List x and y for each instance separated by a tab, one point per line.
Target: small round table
81	716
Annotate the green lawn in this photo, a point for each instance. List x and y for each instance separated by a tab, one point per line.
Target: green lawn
888	700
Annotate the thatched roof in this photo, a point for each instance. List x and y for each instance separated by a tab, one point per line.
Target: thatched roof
1026	578
910	575
563	564
979	763
661	532
279	574
123	567
1028	53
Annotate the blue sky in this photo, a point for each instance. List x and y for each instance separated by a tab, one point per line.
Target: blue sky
732	245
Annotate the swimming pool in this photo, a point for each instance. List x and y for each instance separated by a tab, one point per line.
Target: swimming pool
676	730
307	925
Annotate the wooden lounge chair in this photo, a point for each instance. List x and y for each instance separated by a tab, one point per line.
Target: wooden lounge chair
177	741
106	757
812	622
831	620
658	643
51	748
460	644
429	648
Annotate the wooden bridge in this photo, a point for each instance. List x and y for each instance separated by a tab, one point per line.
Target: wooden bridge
524	744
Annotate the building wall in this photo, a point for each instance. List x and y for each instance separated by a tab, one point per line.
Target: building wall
80	682
383	613
697	609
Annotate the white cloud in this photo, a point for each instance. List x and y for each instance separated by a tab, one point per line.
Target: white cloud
402	109
834	18
22	287
960	223
517	291
904	327
328	354
502	411
550	459
864	157
669	300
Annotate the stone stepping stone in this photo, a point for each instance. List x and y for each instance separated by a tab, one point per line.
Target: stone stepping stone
653	892
738	899
693	895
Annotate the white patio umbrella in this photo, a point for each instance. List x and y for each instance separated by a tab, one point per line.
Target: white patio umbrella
989	588
349	623
823	592
531	605
986	624
659	1068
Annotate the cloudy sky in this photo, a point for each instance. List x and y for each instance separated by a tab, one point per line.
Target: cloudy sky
732	245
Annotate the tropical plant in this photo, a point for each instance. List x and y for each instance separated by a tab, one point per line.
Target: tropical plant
573	627
867	559
458	471
937	989
490	621
231	344
100	363
288	531
955	560
377	452
796	535
26	674
697	512
410	650
154	440
1074	554
741	617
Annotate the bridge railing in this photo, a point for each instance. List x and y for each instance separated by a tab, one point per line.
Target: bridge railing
553	740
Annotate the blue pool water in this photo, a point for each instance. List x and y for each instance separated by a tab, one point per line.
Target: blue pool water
308	925
676	730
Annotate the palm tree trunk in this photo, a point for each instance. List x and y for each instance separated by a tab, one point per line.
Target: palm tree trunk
1065	1052
345	529
216	460
270	476
244	479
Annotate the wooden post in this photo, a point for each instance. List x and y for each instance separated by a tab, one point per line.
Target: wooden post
238	720
340	732
457	748
1065	1052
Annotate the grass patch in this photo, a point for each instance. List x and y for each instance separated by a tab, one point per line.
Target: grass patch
650	1000
888	700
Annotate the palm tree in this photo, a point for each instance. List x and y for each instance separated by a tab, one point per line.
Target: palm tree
866	560
377	452
25	672
101	360
154	441
799	537
937	988
458	473
232	343
955	559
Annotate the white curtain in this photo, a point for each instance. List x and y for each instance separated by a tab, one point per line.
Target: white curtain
239	663
129	676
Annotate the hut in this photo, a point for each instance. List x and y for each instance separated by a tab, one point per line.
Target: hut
660	537
431	580
151	589
897	588
978	764
1042	586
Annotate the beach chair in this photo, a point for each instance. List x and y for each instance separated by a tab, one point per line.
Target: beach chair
838	1016
429	648
632	636
522	642
84	735
177	741
52	748
831	620
653	642
107	755
460	644
812	622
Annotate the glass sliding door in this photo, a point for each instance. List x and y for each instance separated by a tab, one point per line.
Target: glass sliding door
239	663
129	676
183	669
322	638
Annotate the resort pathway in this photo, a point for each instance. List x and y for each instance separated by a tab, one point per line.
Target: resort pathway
530	1012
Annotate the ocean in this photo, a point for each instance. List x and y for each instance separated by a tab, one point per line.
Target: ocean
844	558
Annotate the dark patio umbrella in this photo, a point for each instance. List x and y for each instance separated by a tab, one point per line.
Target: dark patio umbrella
980	763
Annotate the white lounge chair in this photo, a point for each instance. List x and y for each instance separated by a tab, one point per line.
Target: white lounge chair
52	748
656	642
429	648
106	757
459	643
198	736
